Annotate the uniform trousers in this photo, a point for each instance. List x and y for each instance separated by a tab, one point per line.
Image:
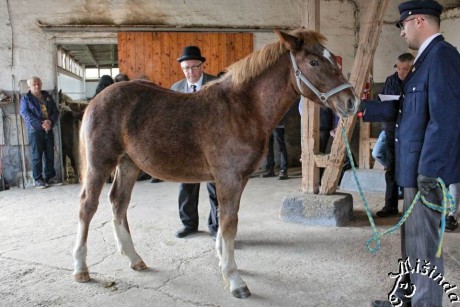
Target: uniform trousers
188	206
419	241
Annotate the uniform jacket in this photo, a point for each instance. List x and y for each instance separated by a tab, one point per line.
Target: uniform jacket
427	136
30	110
181	86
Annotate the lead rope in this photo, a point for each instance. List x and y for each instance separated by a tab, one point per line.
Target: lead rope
448	204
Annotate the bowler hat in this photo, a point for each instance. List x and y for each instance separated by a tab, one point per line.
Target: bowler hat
427	7
191	53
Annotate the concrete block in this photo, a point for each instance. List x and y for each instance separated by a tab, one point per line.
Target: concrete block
370	180
314	209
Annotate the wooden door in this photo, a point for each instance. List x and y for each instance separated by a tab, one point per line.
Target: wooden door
154	54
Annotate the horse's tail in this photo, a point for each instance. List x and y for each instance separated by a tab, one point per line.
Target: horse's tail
82	149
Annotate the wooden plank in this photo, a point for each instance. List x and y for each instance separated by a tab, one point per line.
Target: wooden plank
165	79
175	73
321	160
155	53
130	54
369	36
230	48
364	144
148	55
121	46
238	46
310	113
156	58
203	42
215	65
139	58
222	51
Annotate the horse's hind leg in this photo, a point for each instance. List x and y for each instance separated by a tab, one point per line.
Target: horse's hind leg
120	195
89	200
229	196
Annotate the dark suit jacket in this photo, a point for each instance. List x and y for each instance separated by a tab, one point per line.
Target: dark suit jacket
181	86
427	136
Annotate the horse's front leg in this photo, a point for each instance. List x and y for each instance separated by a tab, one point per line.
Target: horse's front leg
89	200
120	195
229	202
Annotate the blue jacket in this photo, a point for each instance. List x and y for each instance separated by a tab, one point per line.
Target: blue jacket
30	110
427	136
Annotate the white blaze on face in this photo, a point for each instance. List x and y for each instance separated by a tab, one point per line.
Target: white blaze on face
327	55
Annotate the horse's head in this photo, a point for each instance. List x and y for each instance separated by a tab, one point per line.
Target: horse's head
316	74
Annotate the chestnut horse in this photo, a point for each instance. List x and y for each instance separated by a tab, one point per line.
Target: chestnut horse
218	134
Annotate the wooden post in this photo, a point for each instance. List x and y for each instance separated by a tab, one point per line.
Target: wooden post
310	113
369	36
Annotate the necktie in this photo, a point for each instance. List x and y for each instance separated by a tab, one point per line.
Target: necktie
193	87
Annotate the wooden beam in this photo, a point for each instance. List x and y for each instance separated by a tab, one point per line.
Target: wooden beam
310	113
369	36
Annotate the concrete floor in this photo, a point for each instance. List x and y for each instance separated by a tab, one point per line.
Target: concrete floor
283	264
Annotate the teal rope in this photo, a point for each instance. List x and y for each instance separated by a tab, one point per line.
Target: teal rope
448	204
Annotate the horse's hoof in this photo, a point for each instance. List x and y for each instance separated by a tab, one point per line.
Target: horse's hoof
81	277
139	266
242	292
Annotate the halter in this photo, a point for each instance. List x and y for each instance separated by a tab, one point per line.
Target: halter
322	96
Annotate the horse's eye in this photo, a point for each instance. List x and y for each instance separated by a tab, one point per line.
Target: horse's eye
314	63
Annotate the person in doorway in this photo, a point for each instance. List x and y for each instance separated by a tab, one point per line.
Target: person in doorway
40	115
427	147
384	150
191	63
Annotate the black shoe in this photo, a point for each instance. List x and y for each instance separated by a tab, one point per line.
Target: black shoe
155	180
182	233
213	235
283	175
451	223
53	182
268	174
387	212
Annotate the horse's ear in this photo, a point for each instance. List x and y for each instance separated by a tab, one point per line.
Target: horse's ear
289	41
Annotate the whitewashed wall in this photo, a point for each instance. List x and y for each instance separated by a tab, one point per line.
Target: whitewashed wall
27	50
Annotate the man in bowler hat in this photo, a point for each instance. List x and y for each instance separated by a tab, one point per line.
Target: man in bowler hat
191	63
427	146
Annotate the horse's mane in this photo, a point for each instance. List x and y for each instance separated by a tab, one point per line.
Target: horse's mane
254	64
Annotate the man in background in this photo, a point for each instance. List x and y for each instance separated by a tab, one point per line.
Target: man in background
384	150
191	63
40	115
